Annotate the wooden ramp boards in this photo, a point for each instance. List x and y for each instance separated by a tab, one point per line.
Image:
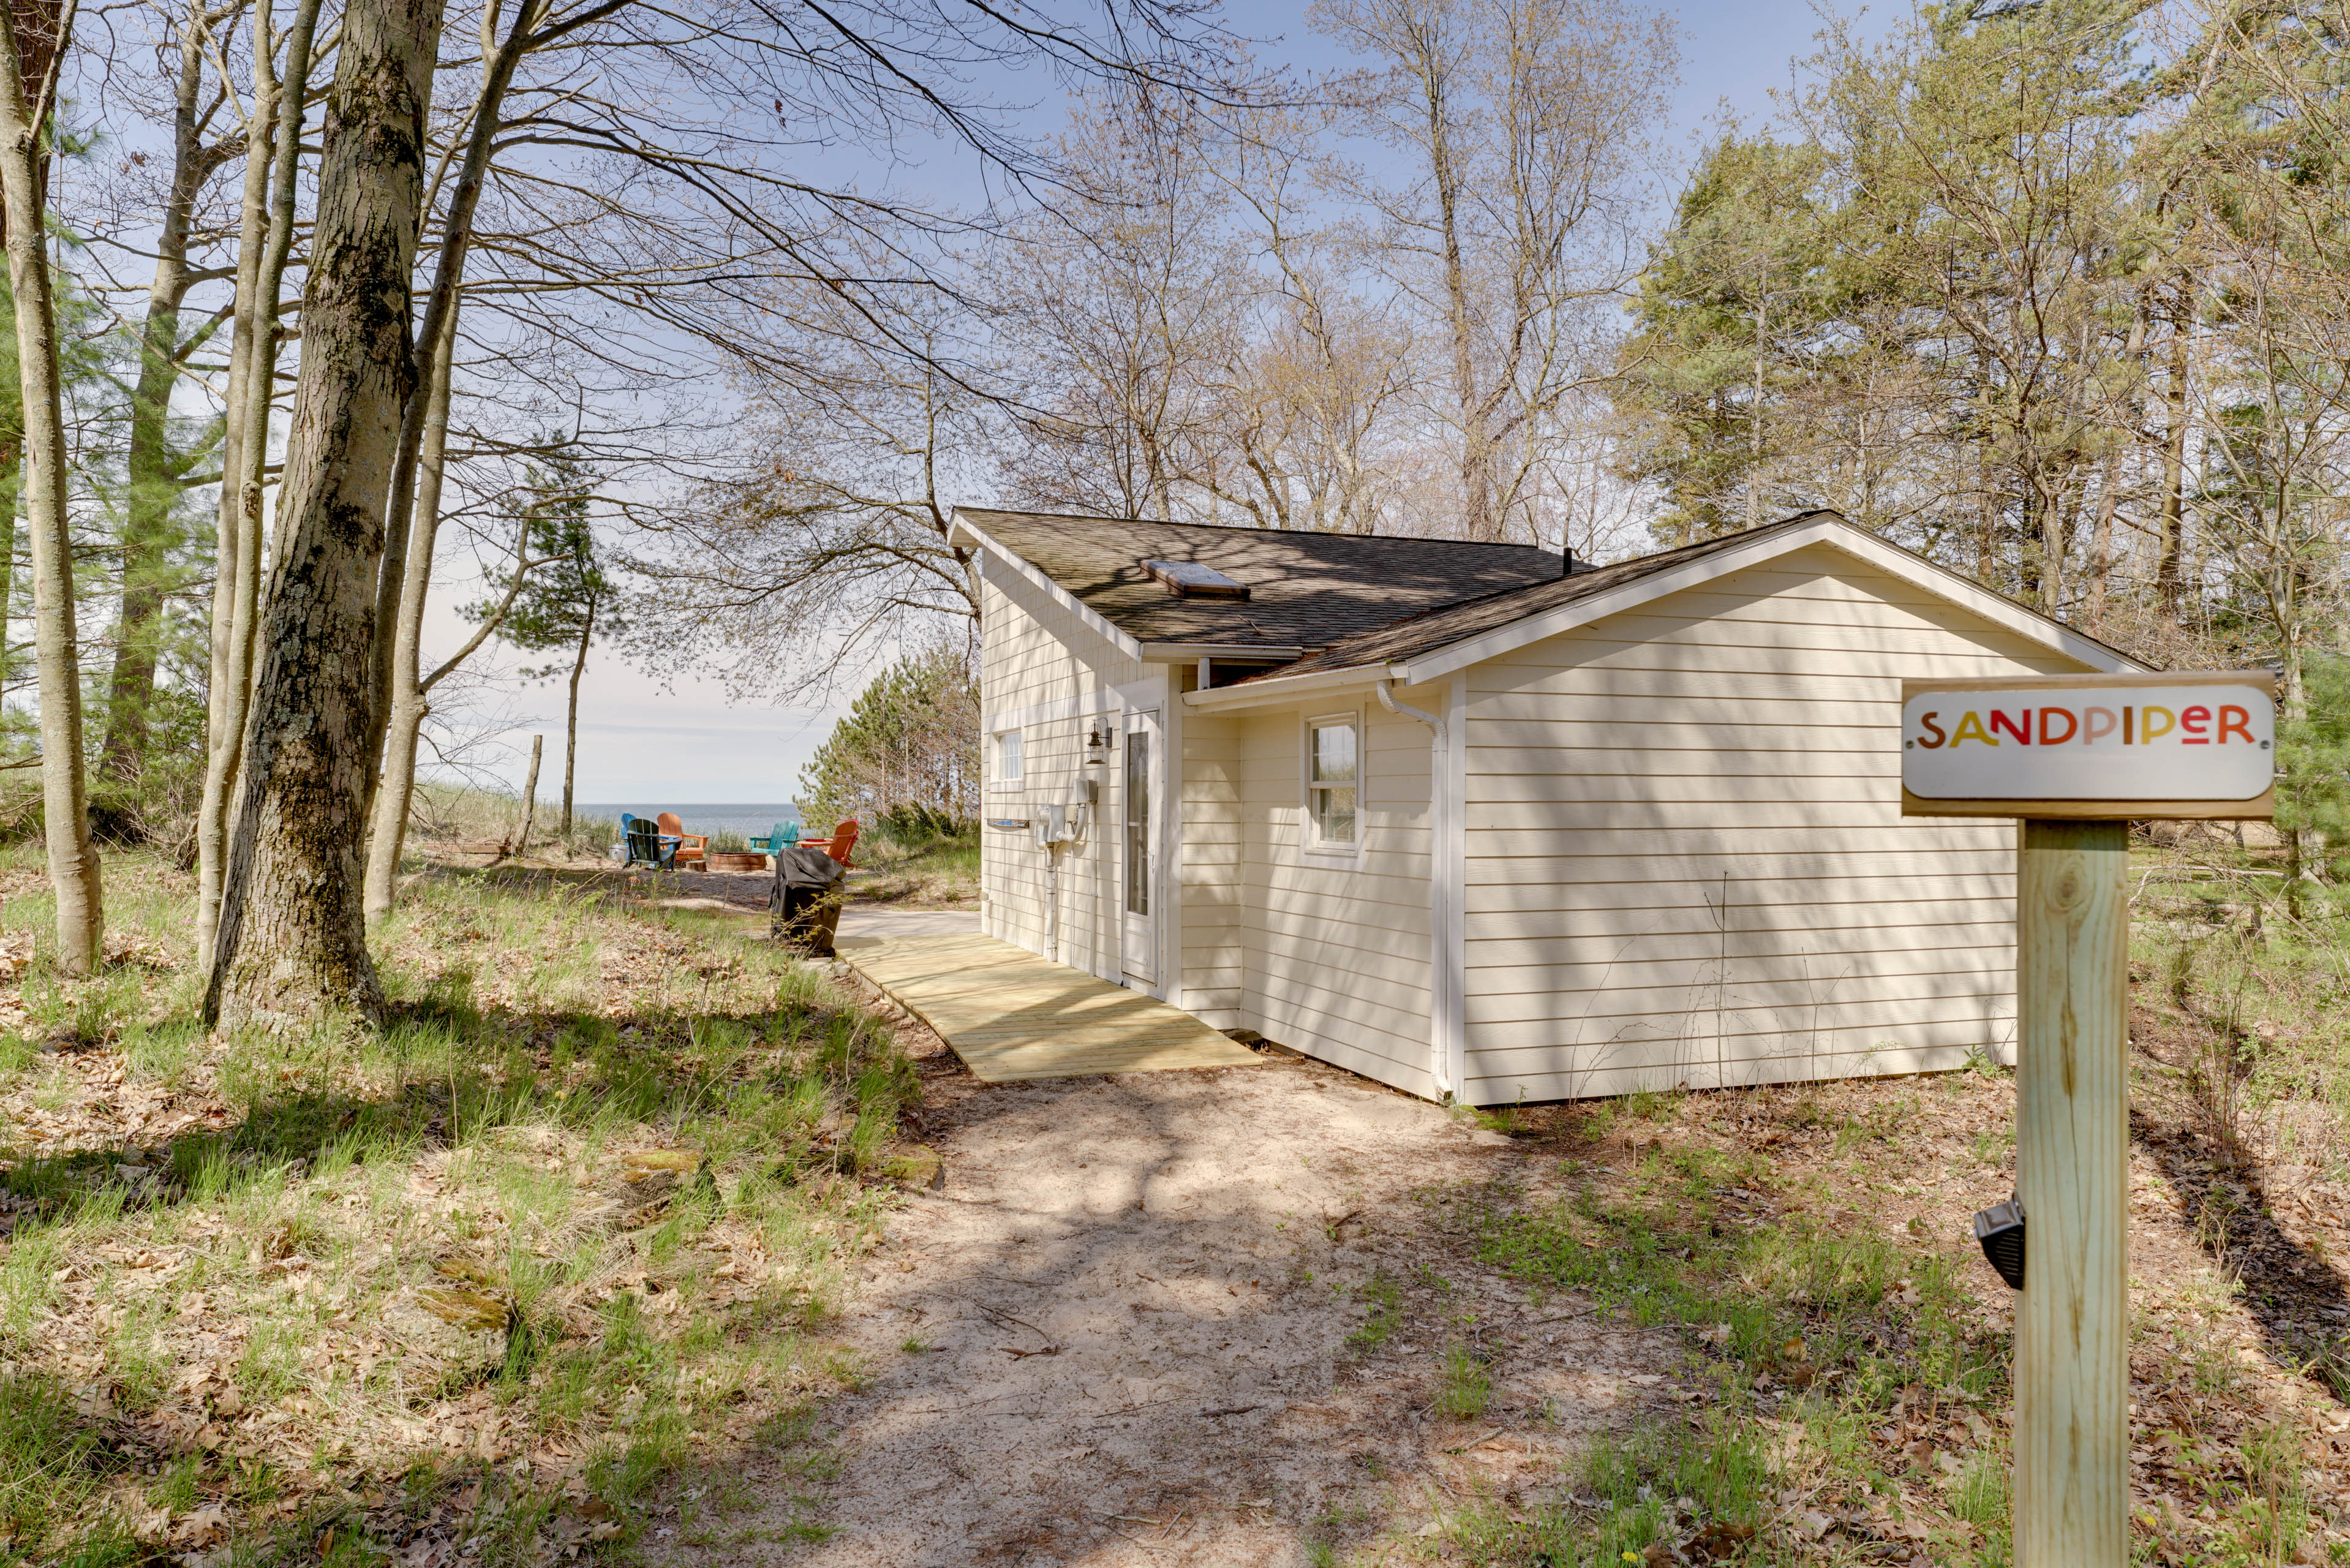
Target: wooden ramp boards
1010	1014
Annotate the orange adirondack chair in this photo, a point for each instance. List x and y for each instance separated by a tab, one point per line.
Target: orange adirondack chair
693	848
843	840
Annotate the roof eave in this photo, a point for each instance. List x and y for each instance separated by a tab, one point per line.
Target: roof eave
1835	532
962	531
1199	649
1272	690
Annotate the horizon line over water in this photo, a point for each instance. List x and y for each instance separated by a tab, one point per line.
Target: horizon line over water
748	818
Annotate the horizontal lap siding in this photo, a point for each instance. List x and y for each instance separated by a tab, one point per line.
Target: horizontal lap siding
1212	851
1333	958
1034	652
1686	861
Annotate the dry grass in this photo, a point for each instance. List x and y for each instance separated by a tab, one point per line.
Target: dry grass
941	875
1813	1243
462	1289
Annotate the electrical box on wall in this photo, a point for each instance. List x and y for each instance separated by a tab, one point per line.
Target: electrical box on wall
1050	824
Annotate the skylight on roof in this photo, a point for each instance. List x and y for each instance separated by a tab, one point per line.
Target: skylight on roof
1192	581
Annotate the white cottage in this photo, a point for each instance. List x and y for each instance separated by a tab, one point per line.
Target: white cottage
1468	822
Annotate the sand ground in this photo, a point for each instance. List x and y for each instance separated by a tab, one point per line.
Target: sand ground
1120	1334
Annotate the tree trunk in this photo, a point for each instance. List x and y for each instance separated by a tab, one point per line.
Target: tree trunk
396	790
73	863
2101	540
243	469
11	485
1477	518
1754	424
571	718
293	940
2174	475
154	477
457	233
220	735
530	793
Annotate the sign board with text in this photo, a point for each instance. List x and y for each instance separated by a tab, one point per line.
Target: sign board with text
2100	746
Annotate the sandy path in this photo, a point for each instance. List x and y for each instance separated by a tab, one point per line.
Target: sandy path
1159	1250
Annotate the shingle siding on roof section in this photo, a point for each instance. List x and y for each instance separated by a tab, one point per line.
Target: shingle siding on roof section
1305	589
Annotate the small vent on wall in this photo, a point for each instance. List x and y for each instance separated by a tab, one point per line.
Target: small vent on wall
1186	579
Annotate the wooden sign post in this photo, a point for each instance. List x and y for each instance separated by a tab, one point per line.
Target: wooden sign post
2074	759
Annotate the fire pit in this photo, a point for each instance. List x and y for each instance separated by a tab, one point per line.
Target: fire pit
733	861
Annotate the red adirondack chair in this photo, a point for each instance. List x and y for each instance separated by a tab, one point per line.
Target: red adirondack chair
843	840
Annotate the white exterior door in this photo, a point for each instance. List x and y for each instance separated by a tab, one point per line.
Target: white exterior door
1140	804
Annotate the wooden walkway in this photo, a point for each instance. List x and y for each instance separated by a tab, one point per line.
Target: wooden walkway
1011	1014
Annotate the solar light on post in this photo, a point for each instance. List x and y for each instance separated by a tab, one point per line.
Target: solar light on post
2074	759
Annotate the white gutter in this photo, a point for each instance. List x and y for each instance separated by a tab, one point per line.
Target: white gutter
1444	988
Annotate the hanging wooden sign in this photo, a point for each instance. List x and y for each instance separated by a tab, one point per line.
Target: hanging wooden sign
2091	746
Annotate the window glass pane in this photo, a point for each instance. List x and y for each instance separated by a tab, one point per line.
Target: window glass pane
1334	753
1008	755
1334	815
1137	822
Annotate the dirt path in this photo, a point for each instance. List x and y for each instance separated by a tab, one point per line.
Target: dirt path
1120	1333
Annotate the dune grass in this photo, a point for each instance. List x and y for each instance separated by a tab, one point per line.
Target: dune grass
574	1222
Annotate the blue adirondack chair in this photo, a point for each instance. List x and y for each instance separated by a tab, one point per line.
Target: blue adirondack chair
648	845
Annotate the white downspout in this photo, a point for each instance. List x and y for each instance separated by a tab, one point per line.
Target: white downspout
1443	1003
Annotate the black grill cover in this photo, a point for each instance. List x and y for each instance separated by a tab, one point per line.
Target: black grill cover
797	868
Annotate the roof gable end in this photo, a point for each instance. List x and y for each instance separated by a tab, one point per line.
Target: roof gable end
1591	599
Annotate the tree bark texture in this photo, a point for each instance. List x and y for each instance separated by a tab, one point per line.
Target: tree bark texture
292	941
411	695
2174	472
73	863
243	466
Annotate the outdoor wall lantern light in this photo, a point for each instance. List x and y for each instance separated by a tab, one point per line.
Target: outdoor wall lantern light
1098	741
2000	1230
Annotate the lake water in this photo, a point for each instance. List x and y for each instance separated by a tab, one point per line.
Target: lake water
752	819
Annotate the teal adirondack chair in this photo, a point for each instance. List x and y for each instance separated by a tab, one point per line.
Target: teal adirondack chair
784	835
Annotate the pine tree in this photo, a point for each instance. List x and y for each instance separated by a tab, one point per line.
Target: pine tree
905	754
568	600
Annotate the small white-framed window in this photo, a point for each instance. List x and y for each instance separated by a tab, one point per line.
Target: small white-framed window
1007	757
1333	772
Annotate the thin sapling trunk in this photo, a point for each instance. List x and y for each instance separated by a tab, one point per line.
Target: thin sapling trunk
233	643
411	693
73	862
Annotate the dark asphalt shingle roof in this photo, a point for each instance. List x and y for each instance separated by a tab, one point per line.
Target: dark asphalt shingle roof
1349	599
1438	627
1305	590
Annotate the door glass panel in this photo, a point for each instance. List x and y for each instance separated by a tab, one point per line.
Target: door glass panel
1137	822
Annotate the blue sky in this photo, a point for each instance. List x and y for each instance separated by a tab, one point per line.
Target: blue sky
687	743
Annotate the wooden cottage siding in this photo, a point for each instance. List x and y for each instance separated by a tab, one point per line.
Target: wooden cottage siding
1664	886
1333	957
1213	934
1042	665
